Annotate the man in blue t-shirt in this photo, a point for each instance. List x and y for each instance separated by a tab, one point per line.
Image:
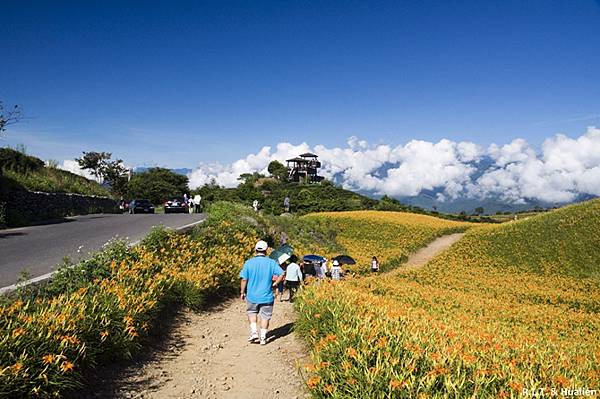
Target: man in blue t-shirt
256	289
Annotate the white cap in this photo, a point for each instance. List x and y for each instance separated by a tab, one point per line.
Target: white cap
261	246
336	263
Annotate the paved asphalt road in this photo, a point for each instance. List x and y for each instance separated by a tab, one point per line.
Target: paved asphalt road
39	249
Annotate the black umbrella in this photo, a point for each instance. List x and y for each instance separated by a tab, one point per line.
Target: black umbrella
345	260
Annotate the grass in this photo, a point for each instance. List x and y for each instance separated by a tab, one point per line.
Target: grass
54	180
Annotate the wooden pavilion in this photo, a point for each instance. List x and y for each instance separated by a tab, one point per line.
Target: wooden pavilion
304	168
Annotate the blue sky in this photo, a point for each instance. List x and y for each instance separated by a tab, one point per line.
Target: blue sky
178	83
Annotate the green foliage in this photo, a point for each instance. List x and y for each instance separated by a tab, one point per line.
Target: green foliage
304	198
303	233
278	170
112	172
566	242
53	181
156	238
94	161
69	278
19	162
157	185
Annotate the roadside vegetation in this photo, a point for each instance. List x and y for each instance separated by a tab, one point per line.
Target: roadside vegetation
20	171
509	307
102	309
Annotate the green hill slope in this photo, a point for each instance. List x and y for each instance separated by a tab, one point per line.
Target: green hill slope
509	307
564	242
20	171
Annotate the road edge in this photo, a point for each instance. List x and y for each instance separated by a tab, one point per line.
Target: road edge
39	279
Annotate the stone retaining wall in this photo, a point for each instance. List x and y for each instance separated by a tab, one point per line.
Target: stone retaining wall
26	207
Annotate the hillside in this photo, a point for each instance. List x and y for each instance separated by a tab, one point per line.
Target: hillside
309	198
509	307
20	171
563	242
391	236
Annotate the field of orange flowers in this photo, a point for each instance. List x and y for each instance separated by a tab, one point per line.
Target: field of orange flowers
47	340
508	310
391	236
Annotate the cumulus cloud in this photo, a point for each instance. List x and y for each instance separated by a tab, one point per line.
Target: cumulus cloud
559	171
563	169
72	166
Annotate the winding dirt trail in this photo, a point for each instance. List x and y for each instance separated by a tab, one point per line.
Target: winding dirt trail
422	256
207	355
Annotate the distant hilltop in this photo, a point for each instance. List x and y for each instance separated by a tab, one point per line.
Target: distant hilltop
179	171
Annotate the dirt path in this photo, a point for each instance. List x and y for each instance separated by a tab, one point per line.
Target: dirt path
422	256
206	354
209	357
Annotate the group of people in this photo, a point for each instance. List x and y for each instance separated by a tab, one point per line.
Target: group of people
262	278
194	204
286	204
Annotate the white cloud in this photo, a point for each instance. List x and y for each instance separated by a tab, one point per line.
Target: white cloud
563	168
72	166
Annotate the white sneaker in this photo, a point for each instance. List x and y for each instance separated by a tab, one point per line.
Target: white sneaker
263	341
253	337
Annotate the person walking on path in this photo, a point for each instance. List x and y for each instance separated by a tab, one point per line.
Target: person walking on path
336	271
280	286
256	288
374	264
286	203
293	277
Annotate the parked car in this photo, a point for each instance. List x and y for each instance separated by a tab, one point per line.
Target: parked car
141	206
176	205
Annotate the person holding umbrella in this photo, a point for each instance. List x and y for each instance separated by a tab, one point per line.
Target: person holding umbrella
256	288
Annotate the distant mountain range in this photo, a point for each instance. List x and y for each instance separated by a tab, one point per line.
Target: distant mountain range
428	199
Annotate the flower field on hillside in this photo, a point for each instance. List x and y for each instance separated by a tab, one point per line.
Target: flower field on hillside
391	236
502	311
46	341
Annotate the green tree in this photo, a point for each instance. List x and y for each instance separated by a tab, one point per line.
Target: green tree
479	210
112	172
115	174
94	161
157	185
278	170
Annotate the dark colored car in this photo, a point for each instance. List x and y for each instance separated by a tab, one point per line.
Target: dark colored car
141	206
176	205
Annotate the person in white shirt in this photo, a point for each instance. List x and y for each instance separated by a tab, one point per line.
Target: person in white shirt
293	277
336	271
374	264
